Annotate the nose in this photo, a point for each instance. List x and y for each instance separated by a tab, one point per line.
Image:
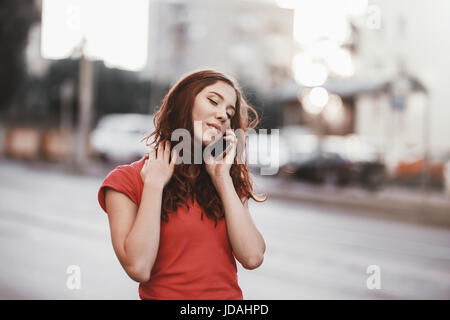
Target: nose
221	114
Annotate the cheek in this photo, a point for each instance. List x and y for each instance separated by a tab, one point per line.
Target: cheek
201	130
195	115
201	111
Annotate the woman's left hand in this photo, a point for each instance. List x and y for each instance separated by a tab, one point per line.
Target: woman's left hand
220	167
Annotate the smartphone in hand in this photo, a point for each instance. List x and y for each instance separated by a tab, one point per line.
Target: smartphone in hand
219	147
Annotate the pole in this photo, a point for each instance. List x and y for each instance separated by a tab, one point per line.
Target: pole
85	94
426	156
66	98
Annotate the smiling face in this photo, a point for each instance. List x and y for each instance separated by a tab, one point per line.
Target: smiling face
213	108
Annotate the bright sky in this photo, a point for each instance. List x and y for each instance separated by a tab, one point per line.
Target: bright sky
321	27
116	31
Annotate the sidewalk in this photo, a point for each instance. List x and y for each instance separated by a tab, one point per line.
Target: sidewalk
391	202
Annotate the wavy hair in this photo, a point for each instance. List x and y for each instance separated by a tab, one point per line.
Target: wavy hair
192	180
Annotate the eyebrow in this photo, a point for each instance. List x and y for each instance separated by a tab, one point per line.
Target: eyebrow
220	96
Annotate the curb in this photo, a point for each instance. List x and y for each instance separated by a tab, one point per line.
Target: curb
417	208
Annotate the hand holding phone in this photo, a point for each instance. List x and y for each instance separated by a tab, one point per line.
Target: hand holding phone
219	147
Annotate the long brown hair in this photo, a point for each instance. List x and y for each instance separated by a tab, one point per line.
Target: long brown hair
192	180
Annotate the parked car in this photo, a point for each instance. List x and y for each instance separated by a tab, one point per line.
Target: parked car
332	159
364	166
323	167
117	136
303	151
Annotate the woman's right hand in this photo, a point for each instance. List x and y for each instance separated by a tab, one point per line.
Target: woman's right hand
157	169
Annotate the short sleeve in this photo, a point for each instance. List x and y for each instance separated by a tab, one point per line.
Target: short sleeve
122	179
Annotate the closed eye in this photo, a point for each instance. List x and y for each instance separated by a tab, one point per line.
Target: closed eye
215	103
212	101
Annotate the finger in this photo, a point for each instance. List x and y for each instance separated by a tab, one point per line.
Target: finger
232	144
220	158
152	154
230	132
209	159
174	159
231	137
230	153
160	151
167	151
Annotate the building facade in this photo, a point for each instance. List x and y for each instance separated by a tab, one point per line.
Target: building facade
251	40
411	39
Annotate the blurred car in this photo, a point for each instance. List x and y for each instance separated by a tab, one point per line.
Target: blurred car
304	150
364	164
117	136
322	167
333	159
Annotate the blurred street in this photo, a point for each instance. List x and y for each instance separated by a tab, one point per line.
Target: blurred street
344	105
50	220
394	203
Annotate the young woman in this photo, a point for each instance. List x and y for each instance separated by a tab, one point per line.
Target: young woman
177	226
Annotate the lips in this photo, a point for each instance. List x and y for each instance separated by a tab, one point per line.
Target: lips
213	125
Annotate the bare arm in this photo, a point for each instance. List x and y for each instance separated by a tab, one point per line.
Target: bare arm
135	231
247	242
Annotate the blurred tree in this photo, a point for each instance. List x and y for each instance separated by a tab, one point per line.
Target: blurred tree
16	17
120	91
116	91
59	72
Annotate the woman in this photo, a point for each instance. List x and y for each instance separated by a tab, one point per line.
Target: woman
156	205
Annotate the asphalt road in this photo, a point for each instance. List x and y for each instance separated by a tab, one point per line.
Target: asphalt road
51	220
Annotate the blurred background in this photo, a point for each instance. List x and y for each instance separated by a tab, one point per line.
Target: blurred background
360	164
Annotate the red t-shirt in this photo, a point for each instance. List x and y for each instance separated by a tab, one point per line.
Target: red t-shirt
194	260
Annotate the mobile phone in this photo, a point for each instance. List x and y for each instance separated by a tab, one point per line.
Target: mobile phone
218	147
